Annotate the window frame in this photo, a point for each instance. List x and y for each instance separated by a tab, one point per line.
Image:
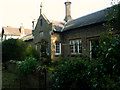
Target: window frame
90	45
41	33
59	48
75	45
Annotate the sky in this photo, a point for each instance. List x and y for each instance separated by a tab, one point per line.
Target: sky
21	12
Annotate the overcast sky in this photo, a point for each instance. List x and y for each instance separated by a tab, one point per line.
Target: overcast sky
17	12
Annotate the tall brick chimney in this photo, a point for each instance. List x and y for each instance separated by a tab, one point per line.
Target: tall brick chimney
68	11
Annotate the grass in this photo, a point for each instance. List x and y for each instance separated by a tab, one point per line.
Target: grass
10	80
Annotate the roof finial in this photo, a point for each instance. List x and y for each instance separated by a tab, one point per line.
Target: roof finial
41	7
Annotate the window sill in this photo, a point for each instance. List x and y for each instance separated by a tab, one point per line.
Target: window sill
76	54
57	53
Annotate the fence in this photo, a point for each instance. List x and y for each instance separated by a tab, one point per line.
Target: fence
37	80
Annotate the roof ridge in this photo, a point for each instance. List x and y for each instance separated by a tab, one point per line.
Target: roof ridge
15	27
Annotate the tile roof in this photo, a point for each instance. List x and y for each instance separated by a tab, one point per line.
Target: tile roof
97	17
15	31
27	37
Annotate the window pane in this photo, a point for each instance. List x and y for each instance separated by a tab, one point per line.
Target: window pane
80	48
57	48
75	46
71	48
41	34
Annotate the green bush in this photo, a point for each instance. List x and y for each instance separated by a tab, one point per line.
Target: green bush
71	74
16	49
27	66
107	74
45	59
101	73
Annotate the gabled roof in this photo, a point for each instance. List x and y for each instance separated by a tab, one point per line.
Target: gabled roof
93	18
15	31
45	18
58	25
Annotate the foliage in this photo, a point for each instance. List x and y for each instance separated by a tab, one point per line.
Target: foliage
45	59
108	47
107	51
101	73
16	49
113	18
27	66
71	74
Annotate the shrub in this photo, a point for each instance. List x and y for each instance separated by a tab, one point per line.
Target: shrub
16	49
27	66
71	74
45	58
98	74
107	71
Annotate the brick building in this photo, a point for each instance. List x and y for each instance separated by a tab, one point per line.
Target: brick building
70	37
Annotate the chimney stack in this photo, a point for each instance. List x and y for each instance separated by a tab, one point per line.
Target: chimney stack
33	24
22	30
68	11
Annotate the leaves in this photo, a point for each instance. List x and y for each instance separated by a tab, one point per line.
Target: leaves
16	49
101	73
27	66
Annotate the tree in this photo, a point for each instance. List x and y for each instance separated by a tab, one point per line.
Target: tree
16	49
113	17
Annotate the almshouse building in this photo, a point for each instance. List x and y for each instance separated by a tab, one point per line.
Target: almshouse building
71	37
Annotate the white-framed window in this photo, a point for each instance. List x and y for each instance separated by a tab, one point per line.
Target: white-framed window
76	46
57	48
41	34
